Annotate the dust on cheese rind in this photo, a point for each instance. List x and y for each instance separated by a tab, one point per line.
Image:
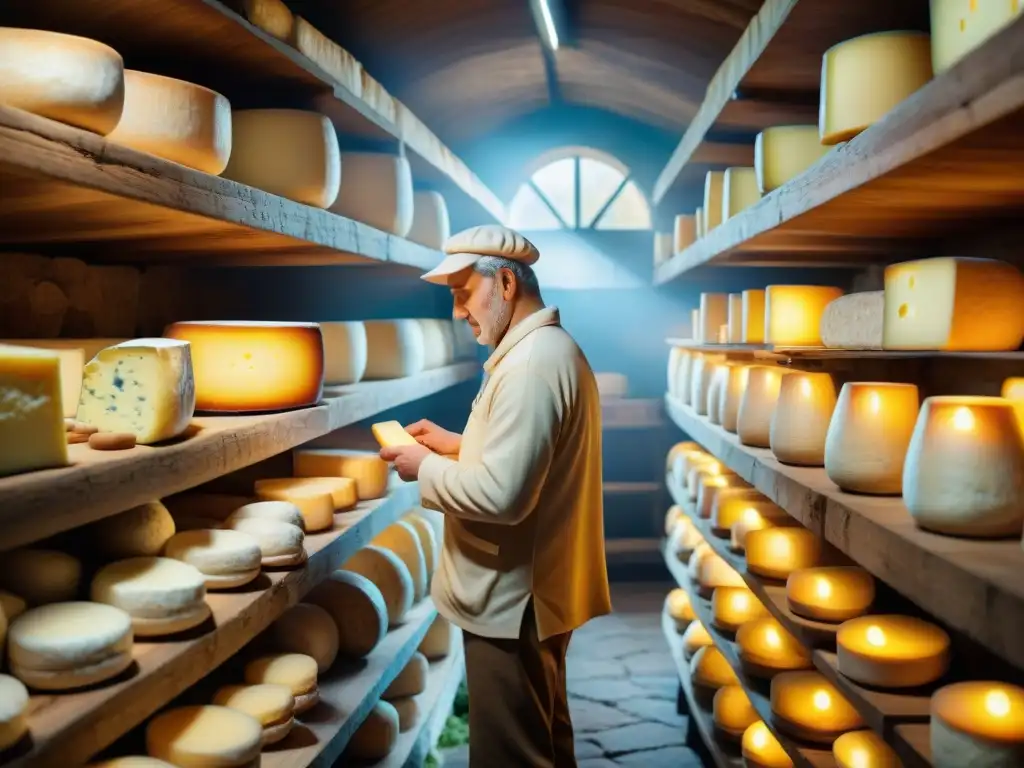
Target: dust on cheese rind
391	433
143	386
345	352
739	191
385	569
140	531
783	152
714	313
309	629
369	470
854	321
396	349
41	576
204	735
437	643
376	189
32	432
376	736
149	587
63	636
358	609
411	681
215	552
712	208
269	703
685	232
792	313
401	539
430	223
275	538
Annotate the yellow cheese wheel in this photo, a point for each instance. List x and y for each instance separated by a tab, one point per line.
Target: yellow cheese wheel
437	643
358	609
783	152
376	736
960	26
411	681
204	737
401	538
385	569
428	541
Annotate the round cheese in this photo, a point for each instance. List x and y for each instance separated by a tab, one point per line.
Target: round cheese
345	352
225	558
960	26
281	544
376	736
11	606
411	681
428	541
401	538
739	191
732	711
437	643
175	120
430	224
70	645
712	208
132	761
162	595
13	708
783	152
376	189
357	608
141	531
708	667
287	152
389	573
41	576
70	79
694	638
315	502
281	511
438	343
272	706
408	710
296	671
205	737
308	629
396	349
342	490
369	470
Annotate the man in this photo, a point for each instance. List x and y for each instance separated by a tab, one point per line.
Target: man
523	561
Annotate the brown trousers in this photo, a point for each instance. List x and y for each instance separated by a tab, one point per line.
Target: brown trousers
518	707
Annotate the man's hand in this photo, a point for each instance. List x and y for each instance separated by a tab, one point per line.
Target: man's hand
439	440
407	459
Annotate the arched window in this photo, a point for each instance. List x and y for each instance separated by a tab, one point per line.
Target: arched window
579	188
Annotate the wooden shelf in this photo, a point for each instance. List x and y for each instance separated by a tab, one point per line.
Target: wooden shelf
68	729
913	744
206	42
795	354
347	694
773	75
99	484
62	185
974	586
943	162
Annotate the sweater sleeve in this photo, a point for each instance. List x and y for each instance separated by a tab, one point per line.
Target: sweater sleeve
504	486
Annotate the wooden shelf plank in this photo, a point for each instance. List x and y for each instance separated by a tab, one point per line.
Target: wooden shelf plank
206	42
777	62
68	729
941	163
776	352
99	484
913	745
974	586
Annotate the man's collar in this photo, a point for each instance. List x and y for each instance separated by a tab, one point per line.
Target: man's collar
518	332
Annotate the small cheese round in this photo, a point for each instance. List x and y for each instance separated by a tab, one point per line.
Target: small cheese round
357	608
11	606
139	532
694	638
282	511
281	544
709	667
297	671
315	503
733	713
205	737
411	681
272	705
437	643
70	645
370	472
41	576
401	538
13	706
408	710
162	595
226	558
376	736
384	568
428	541
309	629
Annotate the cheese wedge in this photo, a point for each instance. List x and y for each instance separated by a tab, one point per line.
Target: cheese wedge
391	433
32	433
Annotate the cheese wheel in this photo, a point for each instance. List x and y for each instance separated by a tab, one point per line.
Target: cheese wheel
70	79
376	189
428	541
385	569
11	606
739	191
175	120
960	26
254	366
342	490
41	576
396	349
376	736
205	737
13	709
62	646
287	152
713	200
685	232
401	538
282	511
162	595
792	313
369	470
408	710
272	706
411	681
32	431
226	558
438	343
314	501
854	321
694	638
296	671
709	668
308	629
430	225
714	313
358	609
281	544
345	352
437	643
783	152
139	532
272	16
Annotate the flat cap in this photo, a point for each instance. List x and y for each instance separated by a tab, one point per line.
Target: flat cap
465	248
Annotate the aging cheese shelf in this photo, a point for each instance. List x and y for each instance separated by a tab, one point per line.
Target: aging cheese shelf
943	161
98	484
68	729
775	352
207	42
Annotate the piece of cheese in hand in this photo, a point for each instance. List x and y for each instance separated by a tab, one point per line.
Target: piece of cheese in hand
143	386
954	305
854	321
391	433
32	432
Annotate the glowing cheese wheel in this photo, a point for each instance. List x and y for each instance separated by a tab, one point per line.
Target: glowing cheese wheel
376	189
710	671
175	120
396	349
401	538
733	713
369	471
960	26
1013	390
753	317
862	79
694	638
979	723
792	313
430	224
242	366
783	152
287	152
739	191
358	609
864	748
807	706
345	352
762	750
766	648
70	79
385	569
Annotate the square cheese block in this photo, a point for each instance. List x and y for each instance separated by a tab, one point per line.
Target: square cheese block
430	224
345	352
792	313
714	313
396	349
32	434
713	184
753	317
245	366
953	304
143	386
391	433
376	189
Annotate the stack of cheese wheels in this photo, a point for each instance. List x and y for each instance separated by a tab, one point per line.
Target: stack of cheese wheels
437	643
210	736
402	693
175	120
271	705
226	559
139	532
281	544
308	629
63	646
287	152
369	470
41	576
430	224
296	671
358	609
375	737
385	569
396	349
402	539
376	189
345	352
73	80
162	595
13	711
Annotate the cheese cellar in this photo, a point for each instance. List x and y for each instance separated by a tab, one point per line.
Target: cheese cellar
362	363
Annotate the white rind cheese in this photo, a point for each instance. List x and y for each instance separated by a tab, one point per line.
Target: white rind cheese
358	609
854	321
376	189
430	224
438	343
396	349
281	544
162	595
32	432
345	352
226	558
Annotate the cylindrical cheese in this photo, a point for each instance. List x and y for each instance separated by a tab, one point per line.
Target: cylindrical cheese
41	576
732	711
685	232
385	569
438	342
978	723
358	609
731	504
297	671
739	191
754	418
776	552
766	648
281	544
273	707
345	352
376	189
864	749
734	606
753	317
714	313
715	572
396	349
960	26
732	395
307	629
712	209
281	511
836	593
411	681
141	531
783	152
437	643
710	671
807	706
662	247
801	417
892	651
735	318
205	737
401	539
694	638
428	536
762	750
226	558
430	224
375	737
700	381
792	313
369	471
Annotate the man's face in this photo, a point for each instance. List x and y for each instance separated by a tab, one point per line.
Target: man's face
481	302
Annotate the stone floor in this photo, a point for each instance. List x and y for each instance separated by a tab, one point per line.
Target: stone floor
622	689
